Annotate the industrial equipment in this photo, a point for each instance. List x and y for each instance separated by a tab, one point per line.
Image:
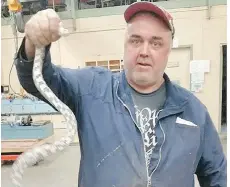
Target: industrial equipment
30	7
19	131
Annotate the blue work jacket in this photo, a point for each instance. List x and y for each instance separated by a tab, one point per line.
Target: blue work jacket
112	149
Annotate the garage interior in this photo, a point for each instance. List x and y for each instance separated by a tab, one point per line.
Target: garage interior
196	39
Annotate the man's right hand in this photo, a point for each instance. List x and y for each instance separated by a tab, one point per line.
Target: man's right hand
41	30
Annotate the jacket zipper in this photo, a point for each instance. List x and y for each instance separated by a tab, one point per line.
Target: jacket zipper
160	147
149	183
148	178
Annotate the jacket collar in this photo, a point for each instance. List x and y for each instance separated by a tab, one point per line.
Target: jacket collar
176	97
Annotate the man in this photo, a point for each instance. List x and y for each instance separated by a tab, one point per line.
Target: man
136	128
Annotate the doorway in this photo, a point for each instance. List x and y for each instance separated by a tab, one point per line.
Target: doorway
224	90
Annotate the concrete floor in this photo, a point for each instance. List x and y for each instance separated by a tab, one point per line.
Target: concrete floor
59	170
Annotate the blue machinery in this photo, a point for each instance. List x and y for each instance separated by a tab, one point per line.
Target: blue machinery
25	106
20	130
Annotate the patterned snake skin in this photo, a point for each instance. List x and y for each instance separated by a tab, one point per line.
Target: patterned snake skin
32	156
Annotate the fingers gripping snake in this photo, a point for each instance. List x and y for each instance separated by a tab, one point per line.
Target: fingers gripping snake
33	155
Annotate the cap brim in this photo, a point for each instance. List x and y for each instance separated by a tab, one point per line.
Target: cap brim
144	6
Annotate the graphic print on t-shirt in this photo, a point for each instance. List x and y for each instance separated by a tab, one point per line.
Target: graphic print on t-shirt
146	121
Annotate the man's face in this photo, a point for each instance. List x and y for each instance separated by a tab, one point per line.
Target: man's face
147	46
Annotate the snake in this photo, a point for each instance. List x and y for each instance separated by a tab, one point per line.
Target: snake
31	156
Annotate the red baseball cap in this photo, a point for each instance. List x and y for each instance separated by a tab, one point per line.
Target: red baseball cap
145	6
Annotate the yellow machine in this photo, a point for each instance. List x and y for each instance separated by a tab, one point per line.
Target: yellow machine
15	9
14	6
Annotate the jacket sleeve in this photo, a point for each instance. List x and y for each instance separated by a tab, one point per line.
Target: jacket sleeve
212	167
67	84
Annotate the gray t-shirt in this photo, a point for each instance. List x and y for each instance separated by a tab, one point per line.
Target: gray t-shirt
147	106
